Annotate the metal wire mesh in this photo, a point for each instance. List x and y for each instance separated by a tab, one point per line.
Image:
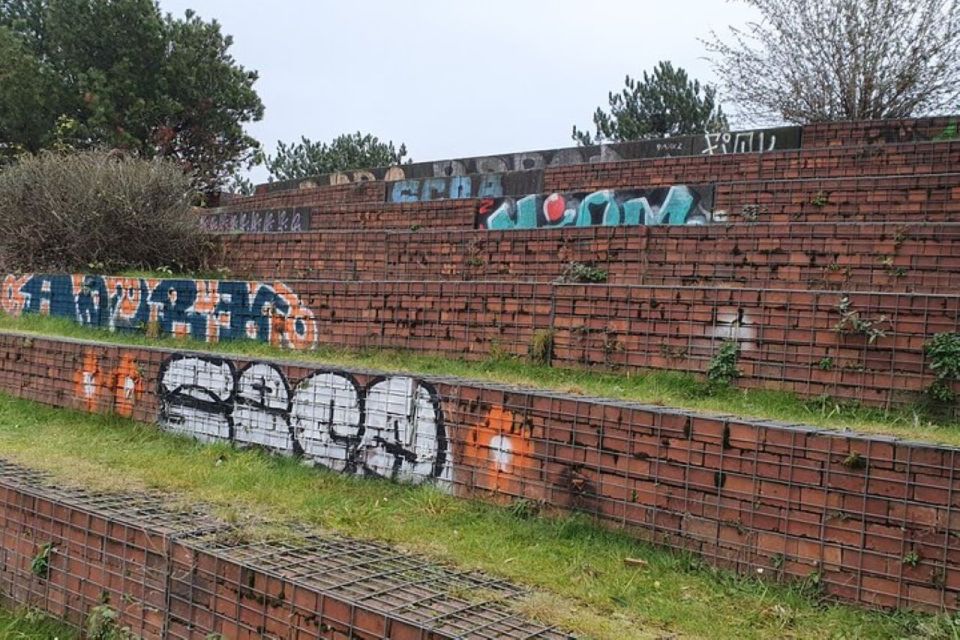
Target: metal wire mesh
164	568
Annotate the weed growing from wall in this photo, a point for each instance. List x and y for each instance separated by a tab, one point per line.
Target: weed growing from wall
40	565
851	322
943	353
103	623
723	366
582	273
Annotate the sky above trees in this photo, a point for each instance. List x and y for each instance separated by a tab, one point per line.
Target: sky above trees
454	79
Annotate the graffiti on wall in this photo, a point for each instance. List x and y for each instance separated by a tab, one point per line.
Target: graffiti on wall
679	204
499	450
456	187
268	221
739	142
485	185
757	141
120	389
392	428
207	310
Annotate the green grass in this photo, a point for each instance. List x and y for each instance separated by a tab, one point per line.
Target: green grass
32	625
578	568
667	388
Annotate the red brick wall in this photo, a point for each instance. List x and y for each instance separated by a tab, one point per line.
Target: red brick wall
857	256
326	195
829	134
170	582
785	335
871	516
854	155
790	339
457	214
914	198
880	160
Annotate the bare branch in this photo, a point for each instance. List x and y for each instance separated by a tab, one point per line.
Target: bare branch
816	60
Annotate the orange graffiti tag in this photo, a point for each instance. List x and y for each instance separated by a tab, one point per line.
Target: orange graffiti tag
127	386
125	383
499	449
12	300
88	380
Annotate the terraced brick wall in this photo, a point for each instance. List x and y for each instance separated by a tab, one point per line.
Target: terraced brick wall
861	346
844	256
869	519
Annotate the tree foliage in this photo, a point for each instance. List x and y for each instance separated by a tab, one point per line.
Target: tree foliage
842	60
89	73
345	153
665	103
98	210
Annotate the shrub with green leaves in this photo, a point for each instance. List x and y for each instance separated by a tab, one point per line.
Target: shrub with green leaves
723	366
943	358
71	211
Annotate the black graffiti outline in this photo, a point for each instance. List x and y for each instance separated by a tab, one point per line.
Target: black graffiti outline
179	397
284	414
176	397
396	448
351	444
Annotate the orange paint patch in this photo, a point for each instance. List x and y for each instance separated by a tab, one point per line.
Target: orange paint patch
127	386
299	325
12	300
499	451
87	381
128	295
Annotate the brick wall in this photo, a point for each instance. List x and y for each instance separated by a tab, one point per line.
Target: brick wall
741	179
913	198
887	257
870	516
789	339
916	198
863	132
844	161
186	576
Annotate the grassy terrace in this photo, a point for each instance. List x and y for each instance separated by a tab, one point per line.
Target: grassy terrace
578	568
667	388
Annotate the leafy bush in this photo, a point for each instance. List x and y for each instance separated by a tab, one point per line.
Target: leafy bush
61	211
723	366
943	353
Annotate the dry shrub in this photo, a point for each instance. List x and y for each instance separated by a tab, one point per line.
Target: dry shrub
99	211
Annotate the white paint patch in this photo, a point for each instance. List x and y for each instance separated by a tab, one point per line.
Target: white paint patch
326	418
197	398
732	325
261	408
501	452
400	438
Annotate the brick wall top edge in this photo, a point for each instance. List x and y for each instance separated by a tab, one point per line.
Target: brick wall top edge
507	388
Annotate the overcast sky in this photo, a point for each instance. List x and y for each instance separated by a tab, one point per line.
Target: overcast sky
451	78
